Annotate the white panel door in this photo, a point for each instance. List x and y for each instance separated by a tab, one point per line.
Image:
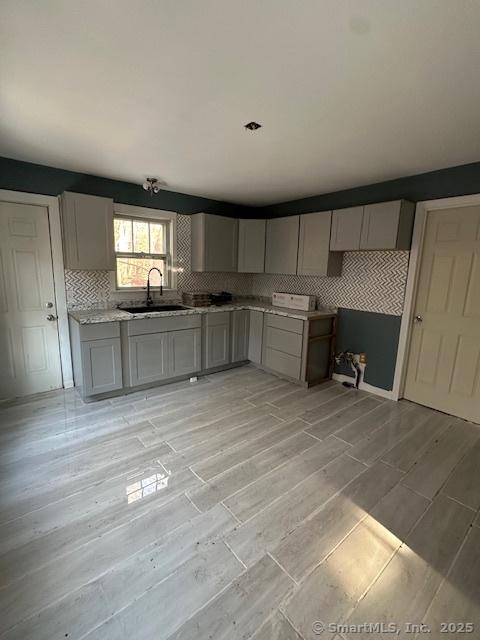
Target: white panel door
444	363
29	344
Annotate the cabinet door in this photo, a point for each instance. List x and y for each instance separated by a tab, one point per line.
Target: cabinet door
346	229
281	250
88	232
240	320
217	339
387	225
185	352
101	365
251	246
314	255
221	241
255	336
148	358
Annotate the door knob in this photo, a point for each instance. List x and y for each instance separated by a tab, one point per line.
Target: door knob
51	317
49	305
418	319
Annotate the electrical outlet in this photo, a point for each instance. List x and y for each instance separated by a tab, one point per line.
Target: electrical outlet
362	358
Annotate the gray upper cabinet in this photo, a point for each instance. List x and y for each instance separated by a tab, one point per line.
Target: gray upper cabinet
240	322
387	225
346	229
216	339
281	249
251	246
214	243
87	223
314	255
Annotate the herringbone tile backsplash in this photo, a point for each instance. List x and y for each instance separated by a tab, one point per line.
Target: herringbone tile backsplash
371	281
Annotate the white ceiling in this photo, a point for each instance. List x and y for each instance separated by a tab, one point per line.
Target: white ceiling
349	92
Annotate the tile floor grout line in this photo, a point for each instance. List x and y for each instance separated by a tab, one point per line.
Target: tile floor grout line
204	482
290	622
233	553
282	568
230	511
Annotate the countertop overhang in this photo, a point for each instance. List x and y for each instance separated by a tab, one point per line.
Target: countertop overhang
94	316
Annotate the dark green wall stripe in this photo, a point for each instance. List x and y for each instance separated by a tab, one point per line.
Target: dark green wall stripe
36	178
455	181
375	334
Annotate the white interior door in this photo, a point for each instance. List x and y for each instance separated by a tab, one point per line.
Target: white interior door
29	343
444	363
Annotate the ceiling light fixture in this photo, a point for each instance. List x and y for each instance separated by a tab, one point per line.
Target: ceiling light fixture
152	185
252	126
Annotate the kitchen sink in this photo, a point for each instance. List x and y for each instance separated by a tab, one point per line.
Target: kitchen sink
156	308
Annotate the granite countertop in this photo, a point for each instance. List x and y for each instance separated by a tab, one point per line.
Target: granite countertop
93	316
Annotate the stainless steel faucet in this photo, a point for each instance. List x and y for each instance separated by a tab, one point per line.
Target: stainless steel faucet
149	297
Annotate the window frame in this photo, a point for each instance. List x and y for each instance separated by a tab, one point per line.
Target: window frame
143	214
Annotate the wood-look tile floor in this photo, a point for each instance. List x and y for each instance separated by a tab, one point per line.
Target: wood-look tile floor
239	506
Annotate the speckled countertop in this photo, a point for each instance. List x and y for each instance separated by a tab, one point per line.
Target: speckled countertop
93	316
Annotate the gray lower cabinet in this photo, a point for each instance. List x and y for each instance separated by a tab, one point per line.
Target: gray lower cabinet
255	337
185	352
239	331
251	245
148	358
160	348
96	357
102	366
216	339
112	356
283	344
281	247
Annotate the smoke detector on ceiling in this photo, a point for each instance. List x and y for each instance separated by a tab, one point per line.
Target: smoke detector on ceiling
252	126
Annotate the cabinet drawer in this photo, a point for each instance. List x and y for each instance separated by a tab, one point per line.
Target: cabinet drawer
99	331
282	363
282	322
284	341
159	325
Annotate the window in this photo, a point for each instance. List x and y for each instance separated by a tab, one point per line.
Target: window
141	244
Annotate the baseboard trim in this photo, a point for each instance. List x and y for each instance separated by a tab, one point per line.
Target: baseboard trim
364	386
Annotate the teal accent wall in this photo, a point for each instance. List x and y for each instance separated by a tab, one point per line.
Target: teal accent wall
36	178
375	334
454	181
